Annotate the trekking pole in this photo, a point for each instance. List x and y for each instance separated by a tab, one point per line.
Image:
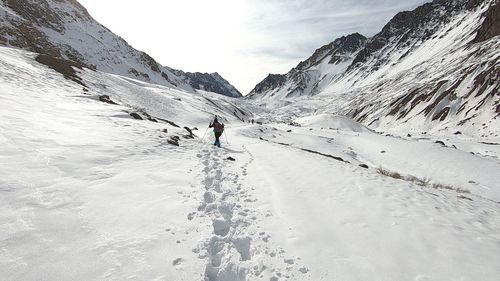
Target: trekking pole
204	134
226	136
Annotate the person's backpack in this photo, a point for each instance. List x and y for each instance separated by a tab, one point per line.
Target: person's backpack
218	127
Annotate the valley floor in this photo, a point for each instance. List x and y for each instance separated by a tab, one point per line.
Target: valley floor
88	193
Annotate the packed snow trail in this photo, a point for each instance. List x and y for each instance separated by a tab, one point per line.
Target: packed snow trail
228	245
238	248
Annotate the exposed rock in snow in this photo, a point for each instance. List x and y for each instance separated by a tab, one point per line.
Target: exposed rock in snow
212	82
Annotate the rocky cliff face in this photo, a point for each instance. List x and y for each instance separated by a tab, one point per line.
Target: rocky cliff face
432	68
63	29
212	82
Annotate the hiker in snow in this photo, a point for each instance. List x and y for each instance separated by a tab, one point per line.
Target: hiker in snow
218	130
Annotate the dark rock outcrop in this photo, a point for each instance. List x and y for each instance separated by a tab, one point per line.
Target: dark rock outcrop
106	99
174	140
491	24
272	81
65	67
212	82
136	115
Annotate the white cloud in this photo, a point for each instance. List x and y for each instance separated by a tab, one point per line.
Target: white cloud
243	40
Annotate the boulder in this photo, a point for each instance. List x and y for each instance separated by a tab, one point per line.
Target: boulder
440	142
174	140
106	99
136	116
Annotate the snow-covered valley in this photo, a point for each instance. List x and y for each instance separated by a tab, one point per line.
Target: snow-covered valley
87	192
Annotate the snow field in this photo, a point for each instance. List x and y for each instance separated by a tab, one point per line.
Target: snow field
84	195
348	223
88	193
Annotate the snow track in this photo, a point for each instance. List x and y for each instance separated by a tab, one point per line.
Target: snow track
228	249
238	247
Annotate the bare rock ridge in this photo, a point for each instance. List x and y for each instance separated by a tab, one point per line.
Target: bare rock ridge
336	51
491	24
271	82
212	82
64	30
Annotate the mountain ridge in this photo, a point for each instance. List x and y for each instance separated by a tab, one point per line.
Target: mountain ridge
64	29
304	78
433	68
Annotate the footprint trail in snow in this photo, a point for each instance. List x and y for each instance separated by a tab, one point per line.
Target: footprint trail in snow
237	248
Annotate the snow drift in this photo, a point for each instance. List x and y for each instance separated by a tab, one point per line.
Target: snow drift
329	121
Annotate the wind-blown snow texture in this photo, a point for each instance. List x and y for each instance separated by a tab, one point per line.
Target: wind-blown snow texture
435	68
63	28
89	193
104	176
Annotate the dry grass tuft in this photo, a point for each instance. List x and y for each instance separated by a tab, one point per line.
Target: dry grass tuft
388	173
426	182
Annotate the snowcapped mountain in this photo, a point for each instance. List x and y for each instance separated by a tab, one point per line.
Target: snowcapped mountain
64	29
212	82
120	180
433	68
310	76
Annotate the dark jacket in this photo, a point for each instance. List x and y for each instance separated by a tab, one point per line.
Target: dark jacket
218	127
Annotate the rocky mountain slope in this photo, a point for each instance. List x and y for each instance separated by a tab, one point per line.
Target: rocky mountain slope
212	82
433	68
63	29
311	75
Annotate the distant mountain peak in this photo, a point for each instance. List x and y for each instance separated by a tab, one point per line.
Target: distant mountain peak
306	77
212	82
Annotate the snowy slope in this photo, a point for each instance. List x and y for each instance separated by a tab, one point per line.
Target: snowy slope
432	69
79	200
331	122
65	29
348	223
89	193
312	75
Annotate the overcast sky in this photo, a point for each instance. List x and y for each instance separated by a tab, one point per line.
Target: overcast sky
243	40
